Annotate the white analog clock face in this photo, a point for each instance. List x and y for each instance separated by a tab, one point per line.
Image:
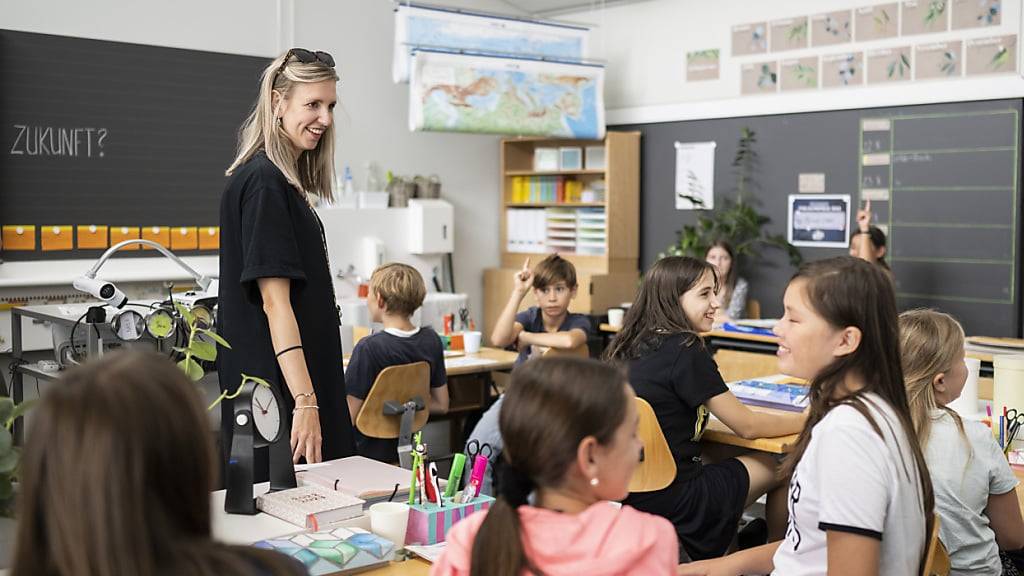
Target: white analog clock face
266	413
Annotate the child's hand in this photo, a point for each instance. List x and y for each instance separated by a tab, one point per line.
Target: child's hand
703	568
864	217
523	278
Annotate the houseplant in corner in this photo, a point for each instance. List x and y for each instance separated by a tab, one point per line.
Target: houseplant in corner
737	220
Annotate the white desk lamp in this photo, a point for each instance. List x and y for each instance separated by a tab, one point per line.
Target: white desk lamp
109	293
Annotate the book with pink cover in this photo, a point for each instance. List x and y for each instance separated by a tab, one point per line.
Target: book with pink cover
310	507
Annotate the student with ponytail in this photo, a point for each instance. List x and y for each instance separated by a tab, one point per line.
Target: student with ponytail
975	494
570	428
860	498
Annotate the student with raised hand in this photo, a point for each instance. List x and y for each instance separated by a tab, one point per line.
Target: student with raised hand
116	478
570	429
868	243
732	289
975	493
670	367
549	324
860	499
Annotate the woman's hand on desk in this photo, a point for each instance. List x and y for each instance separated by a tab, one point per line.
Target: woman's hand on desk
306	437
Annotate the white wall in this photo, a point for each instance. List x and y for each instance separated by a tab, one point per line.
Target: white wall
645	45
373	112
372	123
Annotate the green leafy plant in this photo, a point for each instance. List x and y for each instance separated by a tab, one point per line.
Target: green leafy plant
797	32
203	350
10	455
806	74
936	9
737	221
948	63
882	20
899	66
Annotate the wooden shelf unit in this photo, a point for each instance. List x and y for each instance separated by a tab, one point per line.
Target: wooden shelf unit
605	280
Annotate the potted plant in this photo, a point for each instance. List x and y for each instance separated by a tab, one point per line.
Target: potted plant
738	220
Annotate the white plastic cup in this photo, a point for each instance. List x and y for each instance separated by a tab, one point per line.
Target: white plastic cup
471	341
615	316
390	520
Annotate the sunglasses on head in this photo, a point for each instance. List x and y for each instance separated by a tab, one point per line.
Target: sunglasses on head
307	57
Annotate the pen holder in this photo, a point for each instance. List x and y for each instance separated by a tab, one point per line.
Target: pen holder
429	523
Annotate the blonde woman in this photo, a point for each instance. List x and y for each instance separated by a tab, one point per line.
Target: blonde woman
975	493
277	307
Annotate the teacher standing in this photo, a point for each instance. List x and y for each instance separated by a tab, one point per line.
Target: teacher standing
276	304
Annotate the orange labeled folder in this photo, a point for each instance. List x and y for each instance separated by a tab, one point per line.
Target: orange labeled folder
56	237
92	237
122	233
19	237
159	234
184	238
209	238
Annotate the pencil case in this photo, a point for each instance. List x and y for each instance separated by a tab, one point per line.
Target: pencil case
429	522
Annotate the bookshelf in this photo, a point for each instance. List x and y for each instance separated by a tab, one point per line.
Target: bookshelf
589	215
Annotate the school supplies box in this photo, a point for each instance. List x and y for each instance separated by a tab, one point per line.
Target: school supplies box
337	551
310	506
430	523
782	395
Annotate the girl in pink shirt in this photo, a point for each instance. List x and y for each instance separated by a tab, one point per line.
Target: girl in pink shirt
570	430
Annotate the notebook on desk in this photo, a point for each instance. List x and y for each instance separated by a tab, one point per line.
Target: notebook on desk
335	551
358	476
785	394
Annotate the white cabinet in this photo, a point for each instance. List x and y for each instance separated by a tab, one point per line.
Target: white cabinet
431	226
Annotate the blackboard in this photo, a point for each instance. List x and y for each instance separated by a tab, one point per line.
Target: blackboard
945	178
110	133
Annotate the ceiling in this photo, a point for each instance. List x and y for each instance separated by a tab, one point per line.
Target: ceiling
534	8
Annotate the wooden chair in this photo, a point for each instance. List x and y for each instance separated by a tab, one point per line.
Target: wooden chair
582	351
741	365
657	467
937	561
753	311
396	406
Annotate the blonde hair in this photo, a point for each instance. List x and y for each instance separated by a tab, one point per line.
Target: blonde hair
400	286
931	343
312	171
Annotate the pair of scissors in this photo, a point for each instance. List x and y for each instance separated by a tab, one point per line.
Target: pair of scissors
1014	419
474	448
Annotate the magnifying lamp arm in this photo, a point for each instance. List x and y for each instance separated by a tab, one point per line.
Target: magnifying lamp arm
202	280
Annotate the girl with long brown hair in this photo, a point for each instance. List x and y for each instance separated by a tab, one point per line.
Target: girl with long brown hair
116	478
860	498
975	492
570	431
671	369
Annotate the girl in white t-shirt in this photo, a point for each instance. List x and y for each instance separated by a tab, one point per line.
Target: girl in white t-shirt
860	499
975	494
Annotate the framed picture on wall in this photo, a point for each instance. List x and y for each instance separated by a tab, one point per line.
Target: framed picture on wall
821	220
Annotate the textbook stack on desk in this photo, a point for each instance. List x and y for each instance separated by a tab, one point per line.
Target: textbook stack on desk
787	394
310	507
360	477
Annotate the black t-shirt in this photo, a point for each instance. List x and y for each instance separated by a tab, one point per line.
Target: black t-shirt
676	380
375	353
268	230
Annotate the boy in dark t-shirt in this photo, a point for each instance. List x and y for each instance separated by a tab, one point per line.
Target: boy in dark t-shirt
549	325
396	291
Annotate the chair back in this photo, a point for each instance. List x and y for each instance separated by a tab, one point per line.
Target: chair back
753	311
658	468
398	384
937	560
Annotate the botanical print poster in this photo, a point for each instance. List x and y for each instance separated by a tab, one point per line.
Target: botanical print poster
695	175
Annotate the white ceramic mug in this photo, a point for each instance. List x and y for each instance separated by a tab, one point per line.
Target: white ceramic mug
471	341
615	316
390	520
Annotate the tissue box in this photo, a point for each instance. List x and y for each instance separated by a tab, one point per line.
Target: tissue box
429	523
